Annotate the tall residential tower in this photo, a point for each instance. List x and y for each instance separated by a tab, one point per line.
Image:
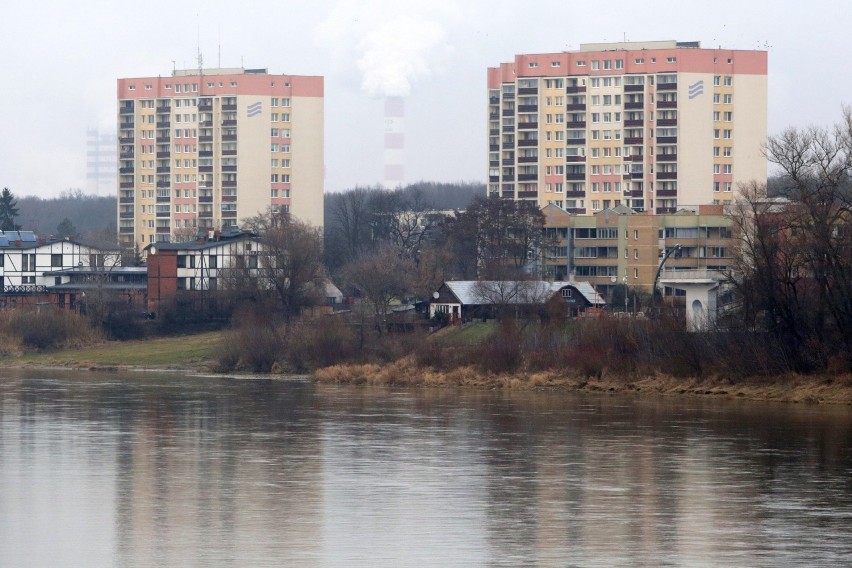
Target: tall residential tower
204	149
651	125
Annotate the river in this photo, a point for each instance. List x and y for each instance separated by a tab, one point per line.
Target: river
165	469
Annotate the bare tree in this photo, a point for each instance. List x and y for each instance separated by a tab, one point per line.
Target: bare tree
380	277
290	263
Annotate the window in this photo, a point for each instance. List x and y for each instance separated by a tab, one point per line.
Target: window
727	168
729	80
533	64
717	168
608	64
716	186
727	152
554	64
716	133
728	133
181	262
671	59
716	116
619	64
717	80
596	82
716	98
596	65
716	151
729	99
635	273
56	260
639	60
581	63
728	116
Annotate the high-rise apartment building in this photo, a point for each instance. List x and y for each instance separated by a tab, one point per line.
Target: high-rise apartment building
205	149
653	126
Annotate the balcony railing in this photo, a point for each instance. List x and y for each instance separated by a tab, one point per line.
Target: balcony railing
666	122
125	170
527	143
528	91
575	107
634	123
575	158
576	124
573	89
528	108
527	126
666	192
229	107
667	86
126	185
633	141
666	139
634	88
125	200
527	159
633	106
666	104
164	154
576	142
667	157
527	177
666	175
575	177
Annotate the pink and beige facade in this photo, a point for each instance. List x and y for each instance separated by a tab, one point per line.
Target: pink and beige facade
206	149
653	126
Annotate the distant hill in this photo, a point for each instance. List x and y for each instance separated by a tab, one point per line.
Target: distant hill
93	216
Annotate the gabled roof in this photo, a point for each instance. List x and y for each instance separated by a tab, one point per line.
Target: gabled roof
587	290
222	239
471	292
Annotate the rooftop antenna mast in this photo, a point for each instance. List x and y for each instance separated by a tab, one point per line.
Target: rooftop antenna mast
198	48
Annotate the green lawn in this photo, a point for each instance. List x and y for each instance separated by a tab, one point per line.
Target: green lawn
471	333
178	351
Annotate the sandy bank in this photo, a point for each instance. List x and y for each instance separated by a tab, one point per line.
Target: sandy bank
785	388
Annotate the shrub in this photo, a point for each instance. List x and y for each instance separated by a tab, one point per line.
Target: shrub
47	328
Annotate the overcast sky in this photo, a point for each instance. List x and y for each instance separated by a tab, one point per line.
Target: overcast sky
60	60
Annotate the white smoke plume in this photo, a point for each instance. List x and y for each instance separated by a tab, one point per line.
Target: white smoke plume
394	43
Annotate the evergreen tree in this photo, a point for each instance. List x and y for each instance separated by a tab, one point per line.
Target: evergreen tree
8	211
66	229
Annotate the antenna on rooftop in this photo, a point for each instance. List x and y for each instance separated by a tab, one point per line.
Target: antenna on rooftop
198	47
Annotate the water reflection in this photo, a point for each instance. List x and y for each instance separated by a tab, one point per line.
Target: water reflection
163	469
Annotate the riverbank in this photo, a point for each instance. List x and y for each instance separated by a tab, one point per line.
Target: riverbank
198	353
785	388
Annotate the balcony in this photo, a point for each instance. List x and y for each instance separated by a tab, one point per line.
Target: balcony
666	122
491	147
637	175
527	126
527	143
125	170
576	142
634	123
575	89
205	214
634	106
165	139
229	138
126	230
508	162
164	230
163	169
164	109
575	210
125	185
234	152
508	129
576	124
226	108
164	124
574	194
163	154
508	112
229	214
527	160
666	210
205	107
667	157
527	195
634	88
163	199
666	104
125	215
125	110
229	168
205	154
494	132
205	124
126	140
633	141
229	199
528	108
126	155
205	169
666	139
205	199
575	158
163	184
205	139
509	178
575	177
577	107
162	214
125	200
666	175
527	177
528	91
229	183
667	86
666	193
230	122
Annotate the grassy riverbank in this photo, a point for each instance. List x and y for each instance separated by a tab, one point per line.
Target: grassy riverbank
181	352
200	352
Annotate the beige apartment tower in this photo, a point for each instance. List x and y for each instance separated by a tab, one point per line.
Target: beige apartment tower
205	149
653	126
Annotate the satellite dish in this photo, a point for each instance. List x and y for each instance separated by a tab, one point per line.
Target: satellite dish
436	295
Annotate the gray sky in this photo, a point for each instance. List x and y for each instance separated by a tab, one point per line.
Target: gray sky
60	60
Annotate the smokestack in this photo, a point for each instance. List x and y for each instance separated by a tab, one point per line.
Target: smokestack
394	142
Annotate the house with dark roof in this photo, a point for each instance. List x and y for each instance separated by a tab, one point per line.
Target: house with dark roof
465	300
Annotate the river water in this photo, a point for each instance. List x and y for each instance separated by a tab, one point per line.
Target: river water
155	469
